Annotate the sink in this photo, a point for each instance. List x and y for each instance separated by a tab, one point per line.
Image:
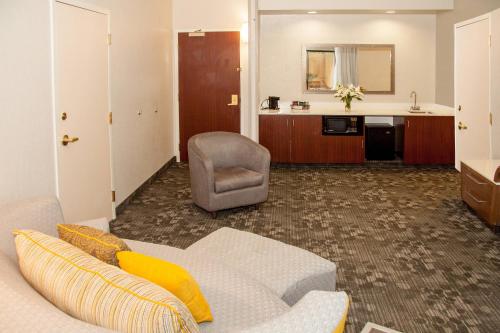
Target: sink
421	112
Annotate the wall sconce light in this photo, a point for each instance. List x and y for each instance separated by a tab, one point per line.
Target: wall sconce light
244	33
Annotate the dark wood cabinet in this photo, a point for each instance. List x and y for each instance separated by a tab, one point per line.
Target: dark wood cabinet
429	140
482	195
275	135
307	139
299	139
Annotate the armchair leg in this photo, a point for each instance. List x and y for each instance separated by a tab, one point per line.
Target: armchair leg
214	215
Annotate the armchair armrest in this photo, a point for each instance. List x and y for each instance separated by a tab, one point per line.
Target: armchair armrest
317	312
101	224
201	170
260	160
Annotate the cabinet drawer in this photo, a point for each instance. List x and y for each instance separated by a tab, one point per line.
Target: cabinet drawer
477	192
476	184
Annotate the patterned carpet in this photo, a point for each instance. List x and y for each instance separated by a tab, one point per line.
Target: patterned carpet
409	253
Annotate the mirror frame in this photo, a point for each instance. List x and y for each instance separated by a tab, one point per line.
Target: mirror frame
331	47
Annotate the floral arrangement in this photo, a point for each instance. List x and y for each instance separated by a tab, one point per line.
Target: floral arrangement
347	94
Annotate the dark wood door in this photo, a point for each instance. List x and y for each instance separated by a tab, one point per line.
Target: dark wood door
429	140
307	139
209	84
275	135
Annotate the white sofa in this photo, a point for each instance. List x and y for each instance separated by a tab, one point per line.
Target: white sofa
253	284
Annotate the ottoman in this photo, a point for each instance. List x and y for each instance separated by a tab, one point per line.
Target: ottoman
288	271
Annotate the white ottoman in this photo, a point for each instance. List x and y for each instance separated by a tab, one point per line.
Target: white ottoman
287	270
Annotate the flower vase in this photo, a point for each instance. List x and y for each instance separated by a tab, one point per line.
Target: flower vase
348	106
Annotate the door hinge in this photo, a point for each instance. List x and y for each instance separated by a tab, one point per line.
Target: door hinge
113	196
490	41
491	118
110	118
109	39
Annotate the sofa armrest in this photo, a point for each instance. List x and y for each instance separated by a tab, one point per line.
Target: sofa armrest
317	312
101	224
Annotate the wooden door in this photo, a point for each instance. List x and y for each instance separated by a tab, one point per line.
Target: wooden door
307	139
429	140
472	91
82	102
209	84
275	135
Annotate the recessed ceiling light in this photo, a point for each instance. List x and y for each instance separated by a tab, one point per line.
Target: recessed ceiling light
390	12
312	12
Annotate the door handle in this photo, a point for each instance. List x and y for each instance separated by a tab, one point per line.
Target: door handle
66	139
234	100
462	126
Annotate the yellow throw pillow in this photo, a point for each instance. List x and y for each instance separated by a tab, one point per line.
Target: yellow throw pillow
98	243
93	291
169	276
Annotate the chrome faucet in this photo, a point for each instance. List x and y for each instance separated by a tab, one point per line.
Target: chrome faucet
414	107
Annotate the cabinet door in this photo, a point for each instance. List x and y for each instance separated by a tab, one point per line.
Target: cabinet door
429	140
307	139
274	134
344	149
309	145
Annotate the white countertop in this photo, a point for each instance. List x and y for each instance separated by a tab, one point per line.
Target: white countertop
364	109
485	168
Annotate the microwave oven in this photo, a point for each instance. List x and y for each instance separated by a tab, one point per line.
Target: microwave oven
343	125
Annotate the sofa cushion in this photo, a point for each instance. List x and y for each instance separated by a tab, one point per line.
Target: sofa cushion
237	301
170	276
289	271
101	294
95	242
230	179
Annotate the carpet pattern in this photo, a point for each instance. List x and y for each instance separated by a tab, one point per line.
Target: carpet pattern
409	253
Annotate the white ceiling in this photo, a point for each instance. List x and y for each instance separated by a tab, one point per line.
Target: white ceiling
353	6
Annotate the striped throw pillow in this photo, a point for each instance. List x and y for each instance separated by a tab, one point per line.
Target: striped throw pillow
95	292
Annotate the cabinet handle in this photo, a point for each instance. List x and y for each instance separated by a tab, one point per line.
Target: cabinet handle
363	143
474	198
408	124
293	122
475	180
287	123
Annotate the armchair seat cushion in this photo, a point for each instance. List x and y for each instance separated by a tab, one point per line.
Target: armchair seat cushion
236	178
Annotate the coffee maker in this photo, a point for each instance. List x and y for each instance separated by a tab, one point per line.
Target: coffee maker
273	103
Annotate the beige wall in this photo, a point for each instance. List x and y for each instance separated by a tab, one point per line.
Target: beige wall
283	36
464	9
140	79
27	164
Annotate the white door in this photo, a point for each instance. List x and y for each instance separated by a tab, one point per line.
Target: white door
82	111
472	91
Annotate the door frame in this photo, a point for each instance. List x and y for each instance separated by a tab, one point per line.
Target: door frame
175	87
474	20
55	108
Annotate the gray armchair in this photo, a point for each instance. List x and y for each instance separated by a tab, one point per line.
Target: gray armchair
227	170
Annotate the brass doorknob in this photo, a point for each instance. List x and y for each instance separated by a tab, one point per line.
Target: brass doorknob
461	126
66	139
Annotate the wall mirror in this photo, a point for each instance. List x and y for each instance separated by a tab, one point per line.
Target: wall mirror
371	66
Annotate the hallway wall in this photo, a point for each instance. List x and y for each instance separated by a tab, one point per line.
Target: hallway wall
140	79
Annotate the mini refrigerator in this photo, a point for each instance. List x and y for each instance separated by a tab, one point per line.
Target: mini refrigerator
380	142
